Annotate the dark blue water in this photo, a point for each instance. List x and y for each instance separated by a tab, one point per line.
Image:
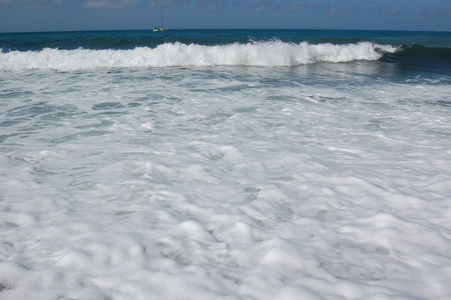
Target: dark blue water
147	38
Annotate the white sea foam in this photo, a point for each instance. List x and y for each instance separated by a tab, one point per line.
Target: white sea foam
224	183
273	53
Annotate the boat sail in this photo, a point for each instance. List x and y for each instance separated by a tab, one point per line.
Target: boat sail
162	28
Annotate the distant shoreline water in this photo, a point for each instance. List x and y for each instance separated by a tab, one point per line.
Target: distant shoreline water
228	29
134	38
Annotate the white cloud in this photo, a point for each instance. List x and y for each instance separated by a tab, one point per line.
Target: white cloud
7	2
268	6
297	6
34	4
158	3
110	4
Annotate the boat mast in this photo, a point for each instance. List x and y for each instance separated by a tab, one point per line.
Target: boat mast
161	8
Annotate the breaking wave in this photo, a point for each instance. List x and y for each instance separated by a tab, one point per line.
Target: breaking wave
261	54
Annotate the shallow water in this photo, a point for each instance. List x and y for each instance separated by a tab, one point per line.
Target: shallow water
315	181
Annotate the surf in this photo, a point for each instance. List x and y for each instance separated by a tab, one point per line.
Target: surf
273	53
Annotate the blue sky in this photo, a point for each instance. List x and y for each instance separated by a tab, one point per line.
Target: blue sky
57	15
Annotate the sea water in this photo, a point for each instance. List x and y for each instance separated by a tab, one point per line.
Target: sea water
225	164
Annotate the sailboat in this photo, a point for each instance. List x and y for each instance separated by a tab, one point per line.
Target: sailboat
162	28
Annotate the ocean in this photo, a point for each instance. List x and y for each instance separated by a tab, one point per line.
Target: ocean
225	164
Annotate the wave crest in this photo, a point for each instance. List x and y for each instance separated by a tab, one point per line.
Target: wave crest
262	54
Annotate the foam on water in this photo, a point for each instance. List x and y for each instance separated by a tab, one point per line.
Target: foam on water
275	53
222	183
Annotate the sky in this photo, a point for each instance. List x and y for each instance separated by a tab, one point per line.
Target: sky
70	15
